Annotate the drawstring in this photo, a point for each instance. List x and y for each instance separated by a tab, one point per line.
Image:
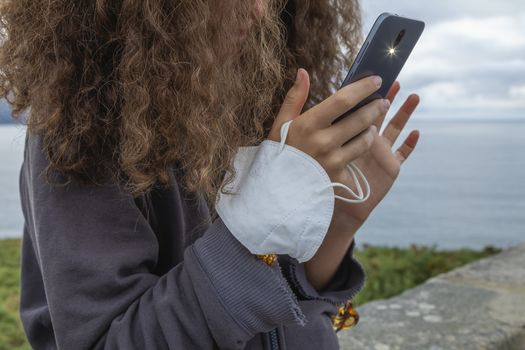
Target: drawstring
360	197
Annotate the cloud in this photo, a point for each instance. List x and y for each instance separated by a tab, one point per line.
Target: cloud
517	92
444	10
470	61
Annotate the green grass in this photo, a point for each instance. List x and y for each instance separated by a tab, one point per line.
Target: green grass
11	334
389	270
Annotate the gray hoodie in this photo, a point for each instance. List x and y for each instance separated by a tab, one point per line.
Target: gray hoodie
102	270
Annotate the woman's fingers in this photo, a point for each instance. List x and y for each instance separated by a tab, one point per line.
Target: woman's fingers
392	92
356	147
404	151
323	114
398	122
341	132
293	103
391	95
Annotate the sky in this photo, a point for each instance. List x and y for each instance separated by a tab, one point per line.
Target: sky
469	61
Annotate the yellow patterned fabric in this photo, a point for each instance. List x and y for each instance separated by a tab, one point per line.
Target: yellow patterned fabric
269	259
347	317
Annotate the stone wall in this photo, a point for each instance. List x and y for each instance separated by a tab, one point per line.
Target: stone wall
478	306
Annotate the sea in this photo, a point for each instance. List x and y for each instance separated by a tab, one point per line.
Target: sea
462	187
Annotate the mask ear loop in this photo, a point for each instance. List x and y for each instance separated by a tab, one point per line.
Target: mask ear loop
360	197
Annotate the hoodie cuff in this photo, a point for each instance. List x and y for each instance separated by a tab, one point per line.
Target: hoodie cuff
347	281
254	293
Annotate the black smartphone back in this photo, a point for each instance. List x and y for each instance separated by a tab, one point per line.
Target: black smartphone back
384	53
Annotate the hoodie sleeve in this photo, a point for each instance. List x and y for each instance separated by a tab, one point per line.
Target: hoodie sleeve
96	253
347	281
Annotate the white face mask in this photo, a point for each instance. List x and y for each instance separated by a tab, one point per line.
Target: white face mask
283	199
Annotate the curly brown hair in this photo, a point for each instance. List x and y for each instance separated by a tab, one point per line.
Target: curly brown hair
132	89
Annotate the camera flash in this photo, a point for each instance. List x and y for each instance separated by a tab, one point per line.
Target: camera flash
392	51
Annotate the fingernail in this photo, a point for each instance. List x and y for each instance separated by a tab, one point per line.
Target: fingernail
386	103
378	81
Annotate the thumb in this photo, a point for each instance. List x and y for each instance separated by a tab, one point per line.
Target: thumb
293	102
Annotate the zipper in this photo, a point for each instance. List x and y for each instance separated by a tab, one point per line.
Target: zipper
274	339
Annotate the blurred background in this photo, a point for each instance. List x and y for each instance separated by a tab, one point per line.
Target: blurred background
464	185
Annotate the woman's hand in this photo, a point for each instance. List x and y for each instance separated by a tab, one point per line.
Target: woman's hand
332	146
313	133
379	163
354	138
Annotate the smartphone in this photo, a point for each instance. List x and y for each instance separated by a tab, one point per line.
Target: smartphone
384	53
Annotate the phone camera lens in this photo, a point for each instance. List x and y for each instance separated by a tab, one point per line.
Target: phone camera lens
400	36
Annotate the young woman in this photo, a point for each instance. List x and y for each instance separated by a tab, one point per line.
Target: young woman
135	110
